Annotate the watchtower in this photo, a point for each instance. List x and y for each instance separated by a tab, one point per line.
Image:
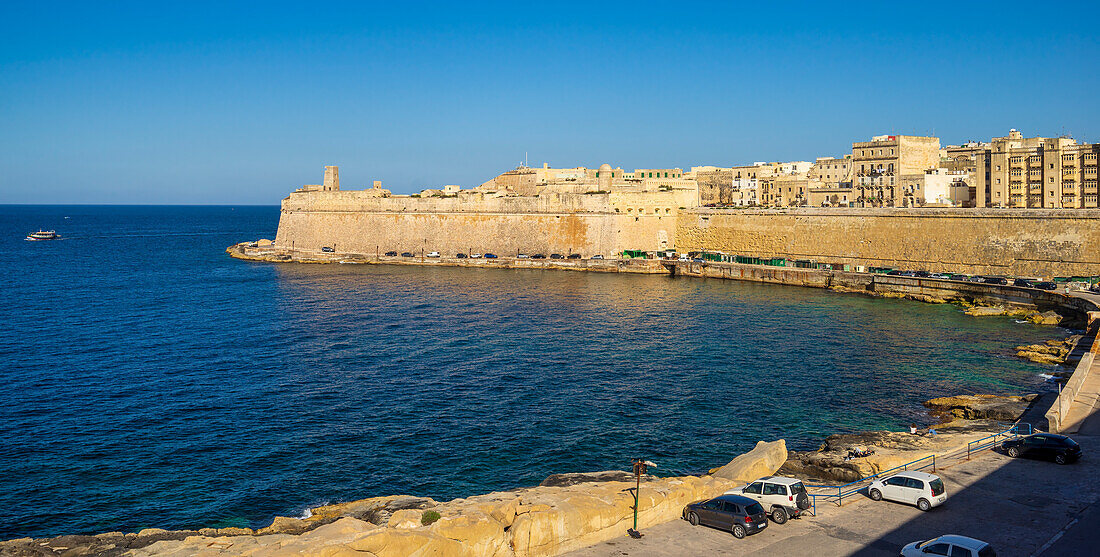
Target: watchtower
332	179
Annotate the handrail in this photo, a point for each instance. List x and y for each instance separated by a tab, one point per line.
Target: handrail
990	440
847	490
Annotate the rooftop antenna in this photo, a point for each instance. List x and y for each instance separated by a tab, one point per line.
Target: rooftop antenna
525	158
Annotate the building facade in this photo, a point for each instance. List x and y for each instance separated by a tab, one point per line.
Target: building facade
1036	172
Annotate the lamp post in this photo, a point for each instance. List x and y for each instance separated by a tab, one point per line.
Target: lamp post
639	470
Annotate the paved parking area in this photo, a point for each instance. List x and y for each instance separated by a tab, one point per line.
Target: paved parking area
1020	506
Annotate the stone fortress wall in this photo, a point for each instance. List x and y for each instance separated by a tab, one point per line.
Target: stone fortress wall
1040	243
565	223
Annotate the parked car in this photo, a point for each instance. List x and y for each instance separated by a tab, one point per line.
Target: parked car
476	256
597	256
1049	446
740	515
460	256
556	256
490	256
433	254
1026	283
939	276
915	488
783	498
406	254
950	544
538	256
328	249
1094	288
1046	285
521	256
975	278
996	280
574	256
922	274
391	254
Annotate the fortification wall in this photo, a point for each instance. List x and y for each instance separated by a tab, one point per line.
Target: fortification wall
354	222
1028	242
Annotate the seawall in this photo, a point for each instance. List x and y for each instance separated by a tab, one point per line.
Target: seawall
1019	242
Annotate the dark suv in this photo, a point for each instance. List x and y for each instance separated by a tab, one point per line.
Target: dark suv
1050	446
740	515
996	280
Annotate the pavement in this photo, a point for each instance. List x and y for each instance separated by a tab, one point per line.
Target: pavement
1023	507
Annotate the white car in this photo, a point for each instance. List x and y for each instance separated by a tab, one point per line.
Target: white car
475	256
950	544
781	497
915	488
433	254
522	256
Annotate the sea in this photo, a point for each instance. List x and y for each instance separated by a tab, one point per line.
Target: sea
149	380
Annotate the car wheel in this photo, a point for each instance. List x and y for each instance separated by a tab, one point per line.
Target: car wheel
693	519
738	531
779	515
1013	452
876	495
1060	459
923	504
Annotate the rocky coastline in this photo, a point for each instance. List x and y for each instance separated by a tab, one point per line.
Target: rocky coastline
573	510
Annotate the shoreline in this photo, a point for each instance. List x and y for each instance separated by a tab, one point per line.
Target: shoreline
389	516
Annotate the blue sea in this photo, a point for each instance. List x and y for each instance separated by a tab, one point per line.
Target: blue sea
151	381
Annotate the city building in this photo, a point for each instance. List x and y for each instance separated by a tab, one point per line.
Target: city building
1035	172
879	164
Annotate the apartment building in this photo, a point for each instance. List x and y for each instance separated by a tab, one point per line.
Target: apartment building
1036	172
879	164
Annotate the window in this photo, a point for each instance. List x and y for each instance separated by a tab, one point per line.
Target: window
900	482
730	507
754	488
937	549
713	505
914	483
958	551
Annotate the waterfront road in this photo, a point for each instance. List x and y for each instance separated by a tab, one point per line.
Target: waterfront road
1023	507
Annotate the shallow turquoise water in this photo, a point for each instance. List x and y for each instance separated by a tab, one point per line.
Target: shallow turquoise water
153	381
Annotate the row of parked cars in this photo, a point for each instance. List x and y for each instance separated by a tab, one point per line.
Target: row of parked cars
436	254
1026	283
745	510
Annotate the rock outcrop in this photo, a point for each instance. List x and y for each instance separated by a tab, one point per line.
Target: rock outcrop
1054	352
981	407
569	512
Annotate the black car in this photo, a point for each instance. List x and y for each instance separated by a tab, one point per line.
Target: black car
391	254
1026	283
460	256
406	254
328	249
1049	446
574	256
735	513
556	256
1045	285
996	280
538	256
489	256
922	274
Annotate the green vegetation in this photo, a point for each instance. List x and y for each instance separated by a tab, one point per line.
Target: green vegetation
429	517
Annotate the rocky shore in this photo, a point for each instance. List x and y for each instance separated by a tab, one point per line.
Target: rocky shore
566	512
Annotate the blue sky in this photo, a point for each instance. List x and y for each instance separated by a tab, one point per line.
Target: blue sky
215	103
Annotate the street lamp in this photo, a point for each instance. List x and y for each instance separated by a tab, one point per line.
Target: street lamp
639	470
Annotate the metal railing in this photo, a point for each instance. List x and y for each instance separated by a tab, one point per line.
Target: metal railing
851	488
990	441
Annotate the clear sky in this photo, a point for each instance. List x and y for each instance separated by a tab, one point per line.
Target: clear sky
188	102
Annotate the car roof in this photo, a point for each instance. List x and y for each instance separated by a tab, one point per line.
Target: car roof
779	480
916	475
739	499
955	539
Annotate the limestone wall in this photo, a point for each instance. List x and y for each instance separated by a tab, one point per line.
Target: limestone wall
1032	242
353	222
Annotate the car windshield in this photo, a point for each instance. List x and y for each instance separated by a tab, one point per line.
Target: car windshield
798	488
937	486
1069	442
754	508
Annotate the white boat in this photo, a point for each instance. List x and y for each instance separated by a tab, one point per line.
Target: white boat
42	235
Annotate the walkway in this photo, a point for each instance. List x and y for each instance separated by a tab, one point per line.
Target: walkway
1023	507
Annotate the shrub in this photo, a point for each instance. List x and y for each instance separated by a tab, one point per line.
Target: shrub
429	517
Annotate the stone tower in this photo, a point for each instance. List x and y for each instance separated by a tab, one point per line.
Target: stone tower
603	177
332	179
